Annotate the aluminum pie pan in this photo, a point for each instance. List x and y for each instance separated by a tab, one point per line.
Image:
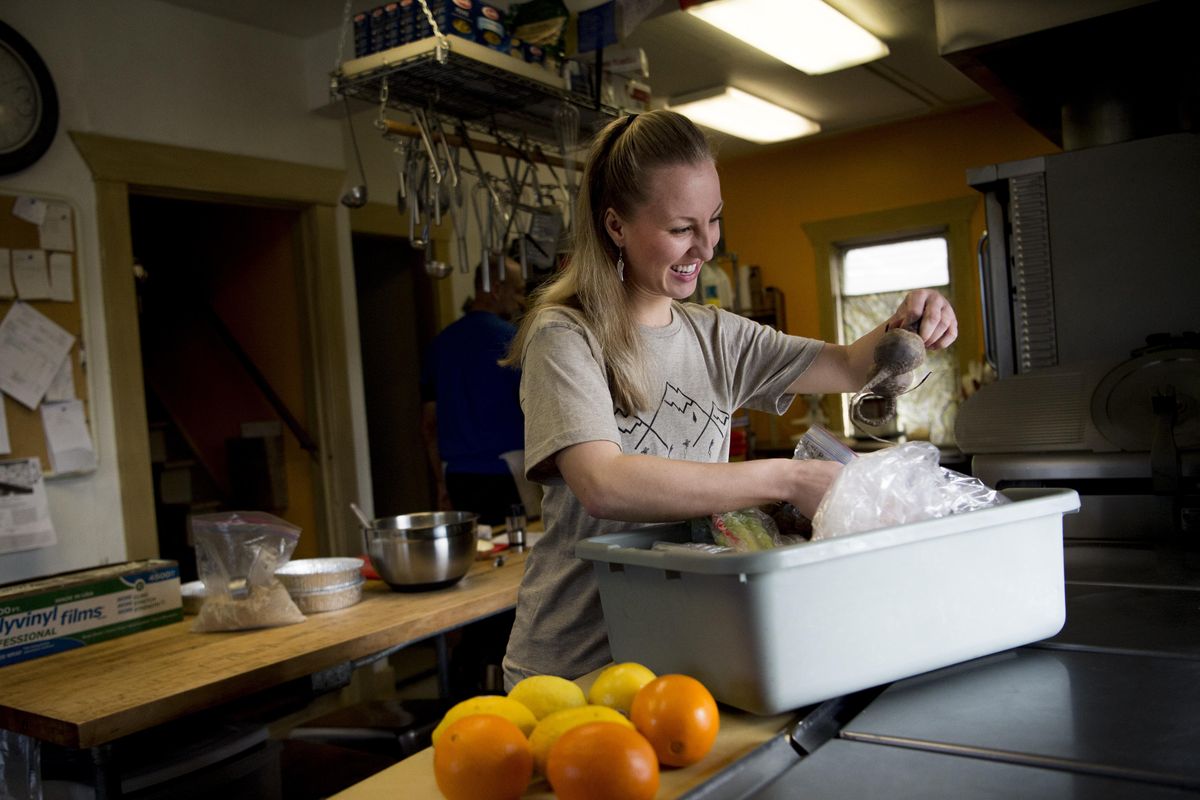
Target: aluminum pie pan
319	574
330	599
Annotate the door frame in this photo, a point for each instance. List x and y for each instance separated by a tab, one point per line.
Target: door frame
121	167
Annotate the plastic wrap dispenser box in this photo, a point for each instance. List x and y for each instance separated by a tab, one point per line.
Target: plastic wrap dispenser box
74	609
776	630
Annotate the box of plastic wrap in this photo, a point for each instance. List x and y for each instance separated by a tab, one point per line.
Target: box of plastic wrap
74	609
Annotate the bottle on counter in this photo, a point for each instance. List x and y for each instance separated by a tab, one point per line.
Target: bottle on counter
516	523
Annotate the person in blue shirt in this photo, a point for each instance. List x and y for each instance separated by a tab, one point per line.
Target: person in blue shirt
471	412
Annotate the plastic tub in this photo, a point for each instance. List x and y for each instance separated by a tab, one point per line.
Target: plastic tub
776	630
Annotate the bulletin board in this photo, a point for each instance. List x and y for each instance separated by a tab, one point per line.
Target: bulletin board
26	430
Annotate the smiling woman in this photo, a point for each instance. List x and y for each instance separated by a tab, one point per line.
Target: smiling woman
663	245
628	393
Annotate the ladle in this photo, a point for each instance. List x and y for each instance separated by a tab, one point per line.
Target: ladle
437	269
356	196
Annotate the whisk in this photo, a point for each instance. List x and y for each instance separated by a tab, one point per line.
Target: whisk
566	126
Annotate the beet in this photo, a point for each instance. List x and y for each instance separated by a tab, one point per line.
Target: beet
896	355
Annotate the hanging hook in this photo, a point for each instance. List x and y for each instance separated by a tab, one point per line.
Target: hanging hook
381	121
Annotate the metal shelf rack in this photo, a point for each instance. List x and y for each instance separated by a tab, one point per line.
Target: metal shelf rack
461	80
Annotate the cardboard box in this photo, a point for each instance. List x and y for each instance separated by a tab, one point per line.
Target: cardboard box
74	609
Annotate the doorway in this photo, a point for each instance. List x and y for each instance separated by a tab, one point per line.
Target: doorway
397	318
122	168
222	331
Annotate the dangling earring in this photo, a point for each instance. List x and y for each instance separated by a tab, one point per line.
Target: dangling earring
621	264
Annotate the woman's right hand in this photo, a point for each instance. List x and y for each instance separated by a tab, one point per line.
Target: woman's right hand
811	480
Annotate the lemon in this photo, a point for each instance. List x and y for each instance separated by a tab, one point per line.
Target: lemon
545	694
554	725
616	685
508	708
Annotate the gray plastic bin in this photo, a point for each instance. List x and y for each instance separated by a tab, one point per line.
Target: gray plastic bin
776	630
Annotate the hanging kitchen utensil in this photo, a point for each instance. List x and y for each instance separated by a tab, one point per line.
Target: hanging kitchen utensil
433	267
416	205
451	158
427	140
356	196
461	129
545	228
458	217
517	192
563	195
481	201
400	156
566	126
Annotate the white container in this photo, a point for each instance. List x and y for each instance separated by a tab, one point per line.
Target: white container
776	630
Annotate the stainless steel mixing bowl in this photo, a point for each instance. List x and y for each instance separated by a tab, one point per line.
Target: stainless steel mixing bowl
429	550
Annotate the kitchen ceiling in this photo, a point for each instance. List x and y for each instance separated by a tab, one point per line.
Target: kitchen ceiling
688	55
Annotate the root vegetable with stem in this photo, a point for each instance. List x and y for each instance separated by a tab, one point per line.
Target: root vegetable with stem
897	355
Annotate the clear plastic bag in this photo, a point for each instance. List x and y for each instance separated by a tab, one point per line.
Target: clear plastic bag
816	444
895	486
237	554
820	444
746	530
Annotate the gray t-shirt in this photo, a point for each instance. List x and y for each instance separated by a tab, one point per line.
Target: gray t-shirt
710	363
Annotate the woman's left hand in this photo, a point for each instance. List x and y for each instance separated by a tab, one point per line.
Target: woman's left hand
929	315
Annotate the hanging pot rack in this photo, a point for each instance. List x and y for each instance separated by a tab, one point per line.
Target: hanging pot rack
462	80
536	154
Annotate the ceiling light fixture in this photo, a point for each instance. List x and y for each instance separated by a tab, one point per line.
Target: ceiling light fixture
743	115
807	34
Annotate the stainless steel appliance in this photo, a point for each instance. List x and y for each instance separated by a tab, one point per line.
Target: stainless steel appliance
1090	278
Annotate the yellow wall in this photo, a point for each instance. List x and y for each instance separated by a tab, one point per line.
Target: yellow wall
769	196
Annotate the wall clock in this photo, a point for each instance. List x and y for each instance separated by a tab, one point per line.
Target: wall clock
28	103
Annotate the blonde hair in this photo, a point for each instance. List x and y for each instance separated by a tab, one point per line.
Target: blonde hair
588	287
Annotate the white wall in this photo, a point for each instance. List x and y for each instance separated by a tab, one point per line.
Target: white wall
145	70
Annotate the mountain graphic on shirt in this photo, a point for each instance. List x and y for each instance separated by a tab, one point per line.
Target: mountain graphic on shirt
680	427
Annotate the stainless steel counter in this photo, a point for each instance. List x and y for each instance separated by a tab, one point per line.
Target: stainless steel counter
847	770
1109	707
1114	715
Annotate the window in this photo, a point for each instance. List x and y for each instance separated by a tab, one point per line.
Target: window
873	280
895	266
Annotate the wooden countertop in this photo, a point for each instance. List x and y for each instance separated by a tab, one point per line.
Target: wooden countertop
102	692
741	734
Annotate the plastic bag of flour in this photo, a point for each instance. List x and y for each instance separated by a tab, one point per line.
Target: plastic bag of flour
237	554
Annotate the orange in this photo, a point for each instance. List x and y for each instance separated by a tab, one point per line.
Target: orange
482	757
678	716
602	761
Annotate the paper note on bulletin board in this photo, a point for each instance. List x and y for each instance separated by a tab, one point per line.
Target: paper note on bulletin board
39	269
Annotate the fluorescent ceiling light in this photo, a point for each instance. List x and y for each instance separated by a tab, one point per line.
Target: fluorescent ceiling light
807	34
744	116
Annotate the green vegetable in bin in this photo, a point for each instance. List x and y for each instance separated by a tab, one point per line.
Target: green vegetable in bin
746	530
